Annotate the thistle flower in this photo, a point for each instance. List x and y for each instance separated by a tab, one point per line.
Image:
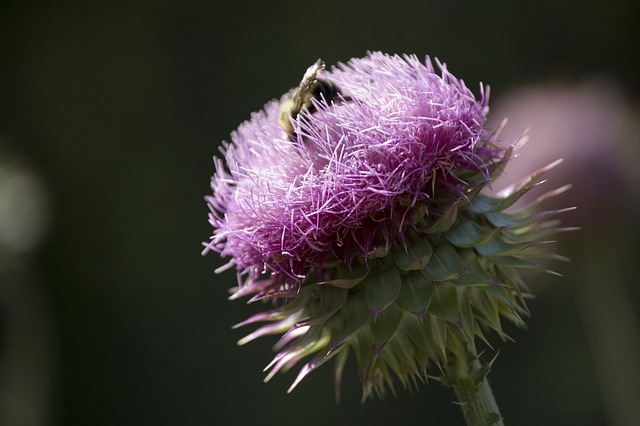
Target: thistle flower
367	229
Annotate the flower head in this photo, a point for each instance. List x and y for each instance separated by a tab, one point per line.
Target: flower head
287	204
365	225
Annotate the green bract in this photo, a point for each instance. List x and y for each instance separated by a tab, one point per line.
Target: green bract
426	301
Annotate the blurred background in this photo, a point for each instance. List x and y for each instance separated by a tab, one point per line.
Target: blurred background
110	113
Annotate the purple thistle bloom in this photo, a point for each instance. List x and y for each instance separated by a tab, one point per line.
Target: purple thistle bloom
364	223
354	167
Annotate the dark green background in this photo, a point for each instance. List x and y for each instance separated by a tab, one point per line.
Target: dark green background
121	105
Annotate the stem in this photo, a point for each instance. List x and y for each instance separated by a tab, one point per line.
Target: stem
468	378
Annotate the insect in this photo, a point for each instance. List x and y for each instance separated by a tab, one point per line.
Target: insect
311	87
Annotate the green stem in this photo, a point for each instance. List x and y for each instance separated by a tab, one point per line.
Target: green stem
468	378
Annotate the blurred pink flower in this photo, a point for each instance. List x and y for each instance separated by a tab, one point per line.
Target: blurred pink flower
590	125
